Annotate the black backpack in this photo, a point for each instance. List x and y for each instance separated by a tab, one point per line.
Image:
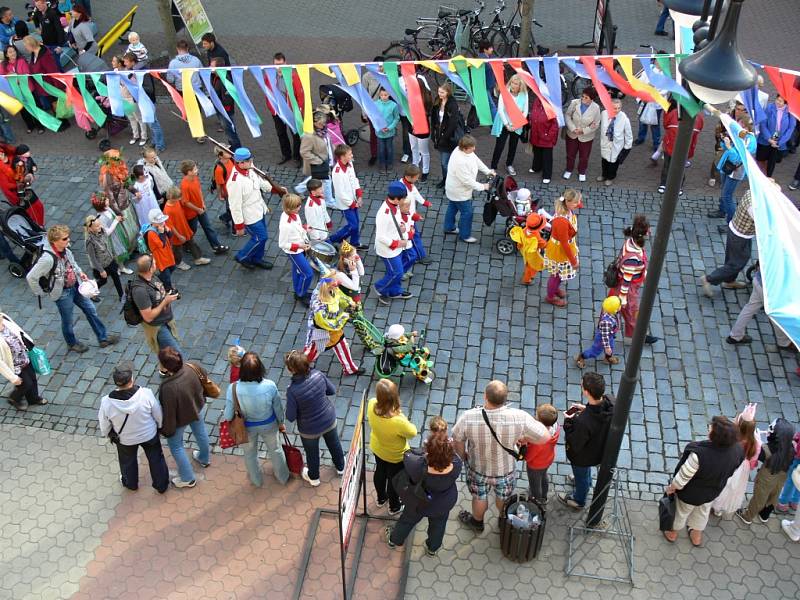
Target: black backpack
213	186
48	282
130	312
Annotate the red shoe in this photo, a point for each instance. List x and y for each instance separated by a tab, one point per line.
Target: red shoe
561	293
559	302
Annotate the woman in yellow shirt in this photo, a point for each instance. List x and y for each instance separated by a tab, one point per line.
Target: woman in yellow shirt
390	431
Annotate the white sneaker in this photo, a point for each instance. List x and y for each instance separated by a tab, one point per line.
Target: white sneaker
182	266
180	483
470	240
567	174
312	482
202	261
599	178
338	472
142	142
196	457
125	270
545	181
404	158
788	529
407	275
511	170
581	177
133	141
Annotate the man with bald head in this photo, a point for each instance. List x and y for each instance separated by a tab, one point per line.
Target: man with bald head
154	304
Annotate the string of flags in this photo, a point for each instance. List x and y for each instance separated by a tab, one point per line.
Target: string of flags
83	93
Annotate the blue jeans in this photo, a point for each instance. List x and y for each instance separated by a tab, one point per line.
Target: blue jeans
157	134
175	443
165	339
208	229
444	158
386	151
311	447
253	251
790	494
69	298
597	348
417	241
269	435
390	283
464	207
727	203
302	273
230	132
349	229
662	20
409	257
583	481
654	129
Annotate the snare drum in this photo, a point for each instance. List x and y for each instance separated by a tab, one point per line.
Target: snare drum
323	252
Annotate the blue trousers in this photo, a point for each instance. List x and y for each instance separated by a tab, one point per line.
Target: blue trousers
208	228
409	257
302	273
662	19
311	446
790	494
6	251
656	131
583	481
597	348
417	241
390	284
230	131
465	210
386	151
444	158
350	229
165	339
253	251
71	297
727	203
158	135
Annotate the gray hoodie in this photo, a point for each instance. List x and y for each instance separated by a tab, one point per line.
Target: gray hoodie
183	61
143	412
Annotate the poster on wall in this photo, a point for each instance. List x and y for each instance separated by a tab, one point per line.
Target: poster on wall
194	17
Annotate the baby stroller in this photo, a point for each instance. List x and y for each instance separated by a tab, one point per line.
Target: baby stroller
338	102
19	229
112	126
501	198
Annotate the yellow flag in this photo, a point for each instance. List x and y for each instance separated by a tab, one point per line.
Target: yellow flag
305	80
9	103
190	104
350	74
626	62
325	70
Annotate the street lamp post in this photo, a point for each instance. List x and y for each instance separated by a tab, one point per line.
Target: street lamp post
715	74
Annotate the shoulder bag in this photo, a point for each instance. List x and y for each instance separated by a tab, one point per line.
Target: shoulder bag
611	276
233	432
210	389
517	454
113	435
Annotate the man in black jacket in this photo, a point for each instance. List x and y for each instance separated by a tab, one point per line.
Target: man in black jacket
47	19
214	50
585	430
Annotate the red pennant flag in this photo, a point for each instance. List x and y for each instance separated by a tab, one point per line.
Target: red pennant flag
74	97
177	98
512	110
622	82
416	106
531	83
602	92
786	84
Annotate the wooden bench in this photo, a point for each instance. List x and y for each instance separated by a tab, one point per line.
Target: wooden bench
119	29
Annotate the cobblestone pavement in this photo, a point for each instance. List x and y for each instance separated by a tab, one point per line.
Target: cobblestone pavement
85	537
480	324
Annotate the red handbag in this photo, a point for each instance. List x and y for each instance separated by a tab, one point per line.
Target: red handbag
225	439
294	458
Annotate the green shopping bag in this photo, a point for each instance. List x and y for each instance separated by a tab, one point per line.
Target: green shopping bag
39	361
64	109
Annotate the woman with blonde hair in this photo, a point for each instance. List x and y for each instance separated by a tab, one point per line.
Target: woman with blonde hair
390	431
502	128
561	251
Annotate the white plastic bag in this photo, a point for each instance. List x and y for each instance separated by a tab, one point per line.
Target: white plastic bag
88	288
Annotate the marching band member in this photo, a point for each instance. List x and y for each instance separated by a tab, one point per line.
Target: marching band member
317	219
410	177
391	238
350	271
293	240
347	191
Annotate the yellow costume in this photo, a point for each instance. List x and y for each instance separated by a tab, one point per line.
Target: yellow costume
530	244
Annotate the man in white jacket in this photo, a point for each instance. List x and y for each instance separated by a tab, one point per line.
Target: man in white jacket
462	180
248	209
135	416
391	238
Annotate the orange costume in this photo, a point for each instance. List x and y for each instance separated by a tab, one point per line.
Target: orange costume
530	245
178	221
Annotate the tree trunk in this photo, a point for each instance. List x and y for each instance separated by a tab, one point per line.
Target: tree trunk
525	39
165	12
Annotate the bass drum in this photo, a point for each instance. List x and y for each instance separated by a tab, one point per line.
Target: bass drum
321	252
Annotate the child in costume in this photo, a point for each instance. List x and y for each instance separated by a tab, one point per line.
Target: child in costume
347	191
530	245
561	251
293	240
391	238
328	314
409	254
605	334
410	177
319	223
349	271
404	349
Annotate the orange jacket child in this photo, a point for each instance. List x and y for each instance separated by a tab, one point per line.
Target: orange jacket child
178	221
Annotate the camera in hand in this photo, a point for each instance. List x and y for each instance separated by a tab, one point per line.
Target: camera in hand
174	292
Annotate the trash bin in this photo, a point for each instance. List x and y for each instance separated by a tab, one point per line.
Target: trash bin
521	545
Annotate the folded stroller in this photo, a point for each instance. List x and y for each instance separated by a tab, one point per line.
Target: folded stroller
20	230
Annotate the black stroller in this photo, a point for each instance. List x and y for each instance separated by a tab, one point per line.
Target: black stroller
501	200
338	102
20	230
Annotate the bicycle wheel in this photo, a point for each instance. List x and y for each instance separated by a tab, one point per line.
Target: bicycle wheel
429	39
400	51
577	85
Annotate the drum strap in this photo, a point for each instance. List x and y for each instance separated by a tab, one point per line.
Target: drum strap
396	225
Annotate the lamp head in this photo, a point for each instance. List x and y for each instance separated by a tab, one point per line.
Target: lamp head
718	72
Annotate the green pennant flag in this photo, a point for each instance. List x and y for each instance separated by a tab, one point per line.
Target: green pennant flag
99	85
23	93
94	110
286	74
390	69
474	79
689	104
50	89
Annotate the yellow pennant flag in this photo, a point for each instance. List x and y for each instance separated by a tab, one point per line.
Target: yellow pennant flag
350	73
305	80
626	62
429	64
190	104
325	70
10	104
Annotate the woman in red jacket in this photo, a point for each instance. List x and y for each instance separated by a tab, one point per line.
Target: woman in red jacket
670	135
42	61
544	135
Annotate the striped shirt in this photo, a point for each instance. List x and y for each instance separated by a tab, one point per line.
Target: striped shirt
484	454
